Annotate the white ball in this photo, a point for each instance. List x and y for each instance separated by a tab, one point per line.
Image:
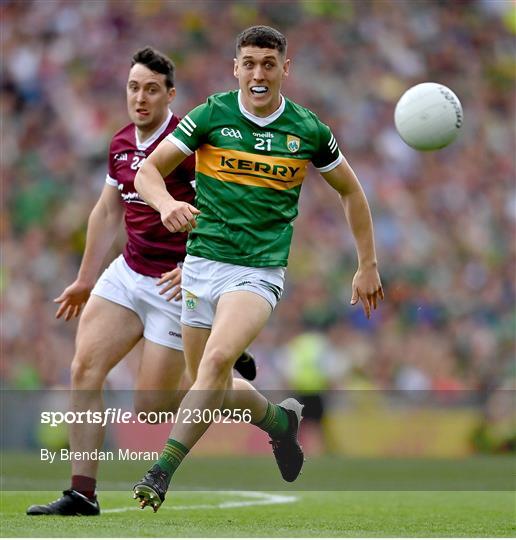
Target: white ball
428	116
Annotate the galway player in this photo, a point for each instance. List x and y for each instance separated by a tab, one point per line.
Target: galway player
138	296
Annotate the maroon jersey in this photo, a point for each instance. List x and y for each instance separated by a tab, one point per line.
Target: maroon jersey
151	249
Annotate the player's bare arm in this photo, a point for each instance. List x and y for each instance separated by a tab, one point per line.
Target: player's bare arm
177	216
103	225
366	285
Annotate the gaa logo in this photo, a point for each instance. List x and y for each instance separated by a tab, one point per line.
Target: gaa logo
229	132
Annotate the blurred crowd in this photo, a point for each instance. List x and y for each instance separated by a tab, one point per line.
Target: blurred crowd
444	221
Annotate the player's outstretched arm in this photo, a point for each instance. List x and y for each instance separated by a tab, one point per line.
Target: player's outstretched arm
175	215
366	285
103	225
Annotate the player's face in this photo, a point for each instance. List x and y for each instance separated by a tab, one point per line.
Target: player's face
148	98
260	74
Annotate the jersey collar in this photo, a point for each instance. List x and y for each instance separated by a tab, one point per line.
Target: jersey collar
260	120
155	136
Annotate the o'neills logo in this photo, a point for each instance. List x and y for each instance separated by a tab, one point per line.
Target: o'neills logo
247	165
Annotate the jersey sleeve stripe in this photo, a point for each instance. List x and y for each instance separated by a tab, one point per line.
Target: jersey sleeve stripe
111	181
180	144
185	129
332	165
332	143
191	124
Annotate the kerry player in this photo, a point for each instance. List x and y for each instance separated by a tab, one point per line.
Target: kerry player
129	301
253	147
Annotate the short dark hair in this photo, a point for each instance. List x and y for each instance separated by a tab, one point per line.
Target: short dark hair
263	37
156	61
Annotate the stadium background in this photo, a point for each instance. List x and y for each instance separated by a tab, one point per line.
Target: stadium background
440	350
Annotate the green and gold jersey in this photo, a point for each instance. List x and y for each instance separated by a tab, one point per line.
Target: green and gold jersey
249	172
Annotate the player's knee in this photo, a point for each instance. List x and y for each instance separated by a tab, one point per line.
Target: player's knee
148	405
217	363
86	372
155	413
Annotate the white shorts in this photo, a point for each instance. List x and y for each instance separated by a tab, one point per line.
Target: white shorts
204	281
161	319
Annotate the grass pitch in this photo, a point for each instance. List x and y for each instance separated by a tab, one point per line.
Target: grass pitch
312	514
334	497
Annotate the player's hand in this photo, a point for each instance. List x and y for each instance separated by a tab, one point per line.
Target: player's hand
367	288
178	216
72	299
172	282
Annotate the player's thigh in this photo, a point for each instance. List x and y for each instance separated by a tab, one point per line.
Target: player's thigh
239	318
106	333
161	381
194	343
162	364
160	368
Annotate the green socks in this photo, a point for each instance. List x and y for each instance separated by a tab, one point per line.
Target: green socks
172	455
275	421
